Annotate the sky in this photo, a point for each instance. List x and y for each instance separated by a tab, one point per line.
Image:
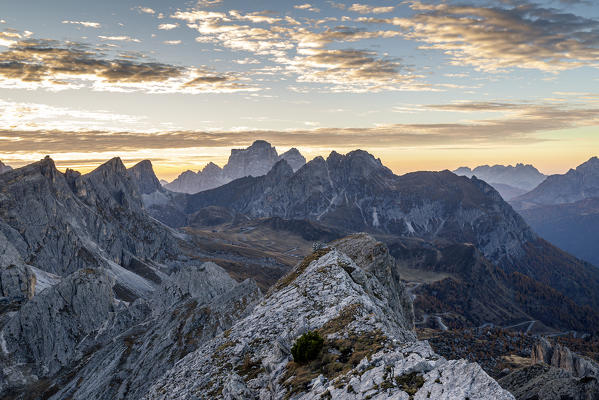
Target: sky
424	85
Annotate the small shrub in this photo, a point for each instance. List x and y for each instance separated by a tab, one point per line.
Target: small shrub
307	347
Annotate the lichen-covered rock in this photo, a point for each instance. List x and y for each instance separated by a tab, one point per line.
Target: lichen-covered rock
370	350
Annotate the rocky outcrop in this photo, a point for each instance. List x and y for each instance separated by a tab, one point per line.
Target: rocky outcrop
541	381
127	365
558	356
556	374
373	257
42	337
4	168
370	350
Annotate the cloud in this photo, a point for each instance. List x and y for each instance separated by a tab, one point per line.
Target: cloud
349	70
366	9
523	127
498	38
167	27
307	7
172	42
86	24
46	64
208	3
119	38
8	38
34	116
333	4
302	51
144	10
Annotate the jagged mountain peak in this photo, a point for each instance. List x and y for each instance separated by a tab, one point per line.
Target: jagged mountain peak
575	185
211	168
589	166
4	168
143	174
281	169
295	159
256	160
113	166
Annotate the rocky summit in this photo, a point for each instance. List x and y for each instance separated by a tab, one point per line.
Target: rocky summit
370	350
255	160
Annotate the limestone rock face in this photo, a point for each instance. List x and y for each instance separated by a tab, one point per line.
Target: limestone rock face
203	283
541	381
60	223
143	174
294	158
42	336
373	257
559	356
256	160
127	365
370	350
17	281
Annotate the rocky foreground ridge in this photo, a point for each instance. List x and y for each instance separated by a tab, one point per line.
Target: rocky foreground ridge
203	335
370	348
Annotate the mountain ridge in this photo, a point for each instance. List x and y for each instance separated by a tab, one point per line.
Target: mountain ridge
255	160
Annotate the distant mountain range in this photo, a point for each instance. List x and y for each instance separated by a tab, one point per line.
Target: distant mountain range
575	185
564	209
101	297
357	193
509	181
255	160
